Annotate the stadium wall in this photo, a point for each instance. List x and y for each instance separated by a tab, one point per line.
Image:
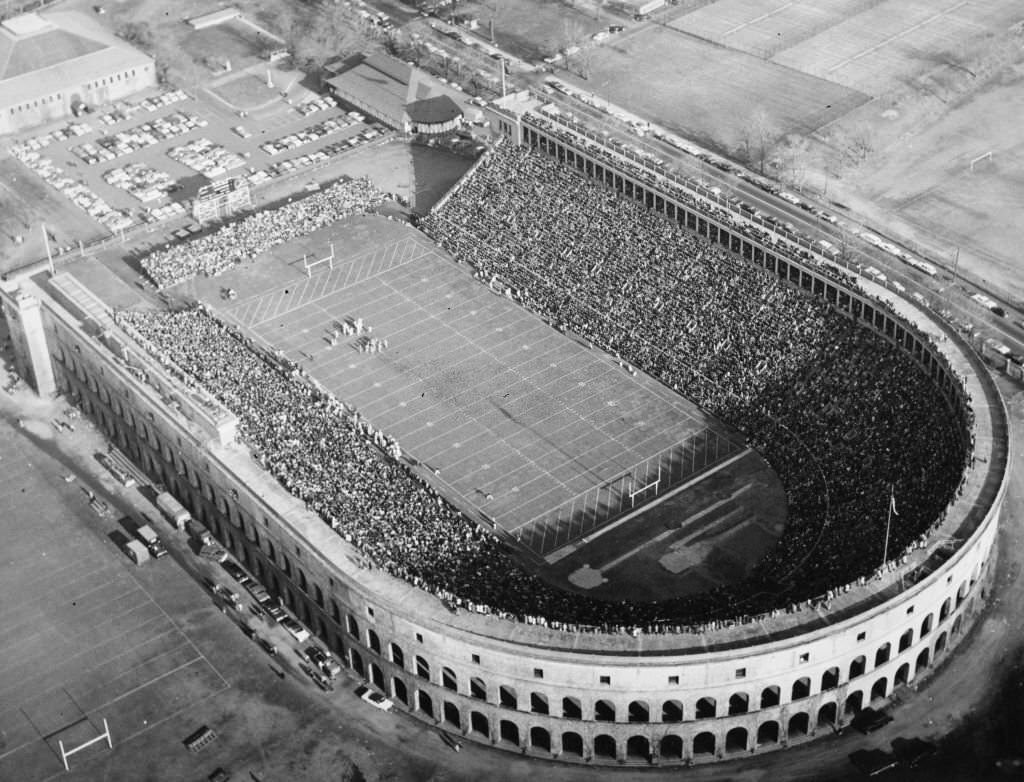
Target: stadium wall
576	697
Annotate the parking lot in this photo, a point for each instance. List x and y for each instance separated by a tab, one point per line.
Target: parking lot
142	160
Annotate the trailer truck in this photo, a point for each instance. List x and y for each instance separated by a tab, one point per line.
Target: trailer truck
136	552
173	510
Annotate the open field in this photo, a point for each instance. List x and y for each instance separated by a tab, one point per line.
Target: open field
533	29
895	42
84	639
506	415
234	41
871	46
710	93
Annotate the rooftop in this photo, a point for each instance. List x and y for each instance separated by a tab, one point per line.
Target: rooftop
50	53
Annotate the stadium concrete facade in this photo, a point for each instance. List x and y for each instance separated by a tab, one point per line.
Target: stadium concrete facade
588	697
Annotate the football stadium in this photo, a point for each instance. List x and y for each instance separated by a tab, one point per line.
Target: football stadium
582	466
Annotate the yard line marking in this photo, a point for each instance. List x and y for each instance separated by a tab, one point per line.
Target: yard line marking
757	19
896	36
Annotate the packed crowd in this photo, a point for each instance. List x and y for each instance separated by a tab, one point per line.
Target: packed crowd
839	413
245	239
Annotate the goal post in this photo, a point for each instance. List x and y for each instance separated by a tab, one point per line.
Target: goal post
66	753
308	265
982	158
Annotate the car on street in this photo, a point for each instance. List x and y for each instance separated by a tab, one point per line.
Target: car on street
374	698
295	630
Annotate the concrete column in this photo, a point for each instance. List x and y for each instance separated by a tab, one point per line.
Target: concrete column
31	353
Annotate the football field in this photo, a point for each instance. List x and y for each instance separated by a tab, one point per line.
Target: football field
518	424
83	638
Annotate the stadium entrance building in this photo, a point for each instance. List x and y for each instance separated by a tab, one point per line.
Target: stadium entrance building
399	95
53	65
558	691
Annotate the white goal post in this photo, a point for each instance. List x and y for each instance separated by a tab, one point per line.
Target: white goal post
309	265
984	156
66	753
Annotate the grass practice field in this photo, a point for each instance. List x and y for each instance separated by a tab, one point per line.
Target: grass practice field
83	639
507	416
708	92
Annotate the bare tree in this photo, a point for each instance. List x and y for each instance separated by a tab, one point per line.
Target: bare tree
791	159
757	138
314	39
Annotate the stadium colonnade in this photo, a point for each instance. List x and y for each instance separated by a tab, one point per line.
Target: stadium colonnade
598	698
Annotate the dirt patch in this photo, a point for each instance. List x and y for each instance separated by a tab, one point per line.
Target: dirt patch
245	92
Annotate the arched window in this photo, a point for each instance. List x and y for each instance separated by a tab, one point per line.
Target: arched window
922	661
947	606
736	740
639	711
353	626
706	709
926	625
940	642
902	675
604	746
801	688
356	662
397	655
768	733
879	688
739	703
509	731
572	744
451	714
422	668
830	679
769	697
539	703
303	584
571	709
827	715
507	697
882	655
399	690
373	640
961	593
672	711
477	689
854	702
426	704
478	723
540	739
906	640
798	725
638	748
448	680
376	675
604	711
704	744
857	667
671	747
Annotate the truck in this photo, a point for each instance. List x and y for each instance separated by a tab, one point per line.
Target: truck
154	545
208	547
136	552
173	510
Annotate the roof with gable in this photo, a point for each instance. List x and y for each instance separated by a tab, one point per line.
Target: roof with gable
42	54
390	86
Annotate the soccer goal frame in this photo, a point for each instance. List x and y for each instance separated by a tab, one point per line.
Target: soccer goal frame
984	156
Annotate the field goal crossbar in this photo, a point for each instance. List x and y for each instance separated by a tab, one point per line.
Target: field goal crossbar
981	158
309	265
66	753
634	493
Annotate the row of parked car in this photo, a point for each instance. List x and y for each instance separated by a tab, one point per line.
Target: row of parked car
312	133
125	142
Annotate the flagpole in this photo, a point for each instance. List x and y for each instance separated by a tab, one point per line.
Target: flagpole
888	522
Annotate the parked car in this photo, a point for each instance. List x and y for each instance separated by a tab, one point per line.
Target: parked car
295	630
374	698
